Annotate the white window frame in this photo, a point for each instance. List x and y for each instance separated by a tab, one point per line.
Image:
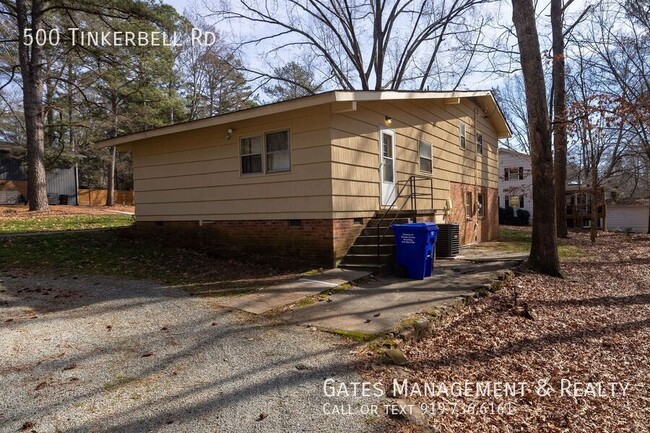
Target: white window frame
241	155
518	171
264	153
480	204
469	205
462	135
420	157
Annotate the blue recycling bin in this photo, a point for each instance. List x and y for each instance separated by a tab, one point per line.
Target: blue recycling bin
414	248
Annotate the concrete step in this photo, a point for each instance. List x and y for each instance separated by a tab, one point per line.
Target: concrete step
372	231
375	222
389	239
367	259
375	269
371	248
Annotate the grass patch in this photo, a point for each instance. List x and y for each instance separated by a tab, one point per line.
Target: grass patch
47	223
515	236
119	253
514	240
353	335
569	252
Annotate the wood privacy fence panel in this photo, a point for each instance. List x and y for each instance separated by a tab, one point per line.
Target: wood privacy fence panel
97	197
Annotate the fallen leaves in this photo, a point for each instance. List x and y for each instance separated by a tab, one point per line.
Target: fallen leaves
593	326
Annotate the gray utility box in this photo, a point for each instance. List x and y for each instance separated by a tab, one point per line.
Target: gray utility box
448	242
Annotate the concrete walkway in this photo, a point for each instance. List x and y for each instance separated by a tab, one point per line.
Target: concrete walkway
380	306
375	306
270	298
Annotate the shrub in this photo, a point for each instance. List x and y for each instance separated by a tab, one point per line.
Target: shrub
523	217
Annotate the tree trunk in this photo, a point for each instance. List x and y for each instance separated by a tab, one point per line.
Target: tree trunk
543	256
559	117
31	69
110	181
110	184
595	199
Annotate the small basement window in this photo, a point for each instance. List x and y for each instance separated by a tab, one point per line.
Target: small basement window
295	223
358	221
250	149
461	134
426	158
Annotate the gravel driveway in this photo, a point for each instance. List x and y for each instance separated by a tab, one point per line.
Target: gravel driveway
97	354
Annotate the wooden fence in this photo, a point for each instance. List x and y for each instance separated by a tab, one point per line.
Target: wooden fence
97	197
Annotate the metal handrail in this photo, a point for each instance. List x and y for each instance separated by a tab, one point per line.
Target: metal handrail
412	197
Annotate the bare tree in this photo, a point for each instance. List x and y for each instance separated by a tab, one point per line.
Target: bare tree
543	252
376	44
511	96
559	116
618	41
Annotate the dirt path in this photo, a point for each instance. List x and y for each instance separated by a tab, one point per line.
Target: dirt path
96	354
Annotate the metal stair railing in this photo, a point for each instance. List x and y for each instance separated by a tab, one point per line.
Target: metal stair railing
412	197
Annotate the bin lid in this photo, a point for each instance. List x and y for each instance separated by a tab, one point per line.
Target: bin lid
429	227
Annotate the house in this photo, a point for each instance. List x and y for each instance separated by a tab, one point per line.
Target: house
630	215
61	184
578	206
303	178
515	181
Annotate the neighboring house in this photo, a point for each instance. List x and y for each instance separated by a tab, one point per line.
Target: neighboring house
628	215
61	184
515	181
302	178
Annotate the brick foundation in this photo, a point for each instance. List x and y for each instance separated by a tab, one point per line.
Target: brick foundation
474	229
316	242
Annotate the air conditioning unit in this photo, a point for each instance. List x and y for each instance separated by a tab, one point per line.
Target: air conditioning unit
448	242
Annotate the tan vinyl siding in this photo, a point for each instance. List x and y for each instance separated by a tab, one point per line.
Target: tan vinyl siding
196	175
355	153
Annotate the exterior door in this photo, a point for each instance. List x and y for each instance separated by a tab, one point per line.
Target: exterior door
387	166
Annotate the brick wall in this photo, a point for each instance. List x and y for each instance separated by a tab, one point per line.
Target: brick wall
317	242
474	229
346	232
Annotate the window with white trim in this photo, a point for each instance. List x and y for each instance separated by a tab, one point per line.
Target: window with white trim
513	173
266	153
278	157
250	149
479	143
426	157
469	206
461	134
480	202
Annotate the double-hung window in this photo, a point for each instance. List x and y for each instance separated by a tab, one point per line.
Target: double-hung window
479	143
266	153
278	157
250	149
480	202
426	157
469	206
461	134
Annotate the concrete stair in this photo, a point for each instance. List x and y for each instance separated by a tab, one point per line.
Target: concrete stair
364	254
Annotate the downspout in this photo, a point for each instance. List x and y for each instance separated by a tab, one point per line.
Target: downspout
476	175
